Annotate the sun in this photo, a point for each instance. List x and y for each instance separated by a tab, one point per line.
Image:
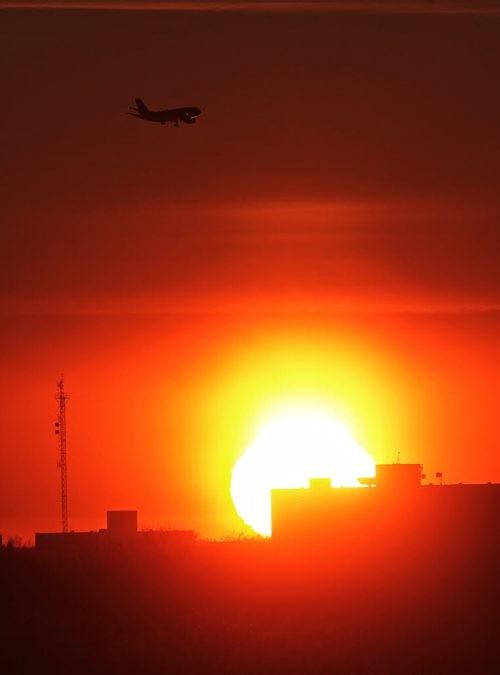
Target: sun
286	454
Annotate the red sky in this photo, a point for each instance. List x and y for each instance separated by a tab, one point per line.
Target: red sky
327	232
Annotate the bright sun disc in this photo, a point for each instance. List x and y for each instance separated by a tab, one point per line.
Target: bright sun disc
286	454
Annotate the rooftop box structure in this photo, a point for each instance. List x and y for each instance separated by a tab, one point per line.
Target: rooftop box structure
122	523
320	483
398	476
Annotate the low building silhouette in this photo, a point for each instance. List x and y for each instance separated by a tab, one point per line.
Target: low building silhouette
121	529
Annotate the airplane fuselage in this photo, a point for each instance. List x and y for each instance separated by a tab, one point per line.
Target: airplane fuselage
174	115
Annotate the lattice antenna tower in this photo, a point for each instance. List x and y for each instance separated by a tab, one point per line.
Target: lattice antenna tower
60	431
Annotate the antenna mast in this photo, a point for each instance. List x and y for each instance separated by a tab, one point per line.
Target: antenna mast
60	430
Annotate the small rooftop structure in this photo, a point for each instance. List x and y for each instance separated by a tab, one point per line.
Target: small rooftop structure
121	523
320	483
399	477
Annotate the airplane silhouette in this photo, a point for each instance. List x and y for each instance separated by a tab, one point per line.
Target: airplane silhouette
175	115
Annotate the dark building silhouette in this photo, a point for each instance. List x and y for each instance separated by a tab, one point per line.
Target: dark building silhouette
121	530
393	509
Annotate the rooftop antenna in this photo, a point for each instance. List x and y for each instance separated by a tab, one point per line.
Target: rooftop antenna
60	430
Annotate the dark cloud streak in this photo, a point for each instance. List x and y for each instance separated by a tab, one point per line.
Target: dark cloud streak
485	7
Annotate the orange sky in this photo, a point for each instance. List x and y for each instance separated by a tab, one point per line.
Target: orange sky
326	235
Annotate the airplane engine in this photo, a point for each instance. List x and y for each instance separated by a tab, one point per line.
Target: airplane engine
189	120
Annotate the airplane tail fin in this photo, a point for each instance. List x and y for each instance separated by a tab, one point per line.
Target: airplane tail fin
141	106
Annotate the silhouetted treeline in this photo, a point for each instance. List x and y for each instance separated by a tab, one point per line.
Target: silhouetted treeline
252	607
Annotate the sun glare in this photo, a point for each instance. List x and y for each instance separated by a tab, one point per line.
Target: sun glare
286	454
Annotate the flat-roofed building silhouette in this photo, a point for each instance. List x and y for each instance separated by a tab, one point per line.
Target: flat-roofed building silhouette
121	530
393	507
